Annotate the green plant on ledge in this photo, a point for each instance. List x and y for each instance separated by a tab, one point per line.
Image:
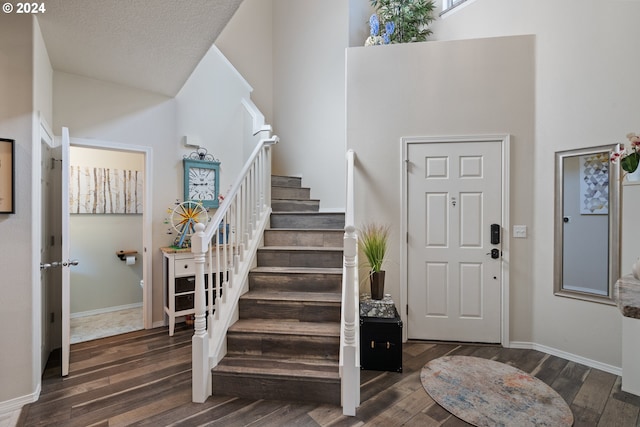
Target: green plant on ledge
404	21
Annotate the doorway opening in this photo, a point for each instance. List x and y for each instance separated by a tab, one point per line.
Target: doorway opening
106	189
56	305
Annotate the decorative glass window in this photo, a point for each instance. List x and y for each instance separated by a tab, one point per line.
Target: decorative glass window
447	5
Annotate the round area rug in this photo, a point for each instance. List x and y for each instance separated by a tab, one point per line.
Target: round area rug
488	393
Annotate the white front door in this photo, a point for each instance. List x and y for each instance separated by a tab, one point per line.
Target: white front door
454	195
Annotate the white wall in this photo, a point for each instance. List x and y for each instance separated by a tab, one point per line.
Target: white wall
43	77
309	38
586	95
209	109
479	87
246	42
292	54
101	280
359	13
110	112
17	267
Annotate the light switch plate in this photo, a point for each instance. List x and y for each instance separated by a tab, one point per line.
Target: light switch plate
520	231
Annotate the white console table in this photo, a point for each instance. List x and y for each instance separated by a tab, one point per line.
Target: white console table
179	278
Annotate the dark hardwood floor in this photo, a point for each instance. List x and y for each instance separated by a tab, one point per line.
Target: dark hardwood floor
144	378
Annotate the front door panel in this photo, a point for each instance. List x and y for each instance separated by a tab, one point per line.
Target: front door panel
453	196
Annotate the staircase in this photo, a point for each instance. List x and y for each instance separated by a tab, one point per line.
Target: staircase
285	345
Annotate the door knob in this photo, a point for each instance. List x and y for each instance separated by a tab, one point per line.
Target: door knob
54	264
44	266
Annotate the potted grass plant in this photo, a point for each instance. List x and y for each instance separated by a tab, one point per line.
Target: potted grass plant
373	241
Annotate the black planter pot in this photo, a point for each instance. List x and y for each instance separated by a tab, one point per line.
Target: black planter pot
377	284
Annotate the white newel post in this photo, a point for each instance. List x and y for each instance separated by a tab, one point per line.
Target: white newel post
351	367
201	377
350	382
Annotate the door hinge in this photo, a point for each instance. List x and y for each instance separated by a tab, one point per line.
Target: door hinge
407	310
52	317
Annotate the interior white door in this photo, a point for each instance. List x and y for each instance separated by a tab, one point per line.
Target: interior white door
47	241
66	260
454	286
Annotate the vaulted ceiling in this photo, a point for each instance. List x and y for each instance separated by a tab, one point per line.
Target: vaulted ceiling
148	44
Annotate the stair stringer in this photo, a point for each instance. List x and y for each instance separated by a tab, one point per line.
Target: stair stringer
227	313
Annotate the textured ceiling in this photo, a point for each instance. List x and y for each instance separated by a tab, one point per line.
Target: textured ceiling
147	44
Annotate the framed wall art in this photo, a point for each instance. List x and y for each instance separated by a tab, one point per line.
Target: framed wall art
7	176
95	190
594	184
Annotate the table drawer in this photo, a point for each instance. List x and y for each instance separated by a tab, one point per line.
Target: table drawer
187	267
184	302
185	284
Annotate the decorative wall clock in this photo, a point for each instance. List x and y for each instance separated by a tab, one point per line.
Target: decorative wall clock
201	178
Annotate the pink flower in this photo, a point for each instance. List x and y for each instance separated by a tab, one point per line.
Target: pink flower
617	153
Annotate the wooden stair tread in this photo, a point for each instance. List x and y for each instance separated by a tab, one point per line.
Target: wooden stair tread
286	340
293	296
303	248
278	367
298	270
288	186
296	199
283	327
307	213
304	230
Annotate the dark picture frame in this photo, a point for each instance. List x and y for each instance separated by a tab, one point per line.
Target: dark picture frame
7	176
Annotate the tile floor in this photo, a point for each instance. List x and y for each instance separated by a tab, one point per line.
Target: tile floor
106	324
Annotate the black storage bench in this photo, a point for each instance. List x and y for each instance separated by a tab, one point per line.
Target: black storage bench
381	343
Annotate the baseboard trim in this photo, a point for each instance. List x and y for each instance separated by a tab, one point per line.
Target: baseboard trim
568	356
17	403
105	310
158	324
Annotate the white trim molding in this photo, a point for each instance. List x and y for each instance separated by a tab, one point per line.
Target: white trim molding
615	370
105	310
18	402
